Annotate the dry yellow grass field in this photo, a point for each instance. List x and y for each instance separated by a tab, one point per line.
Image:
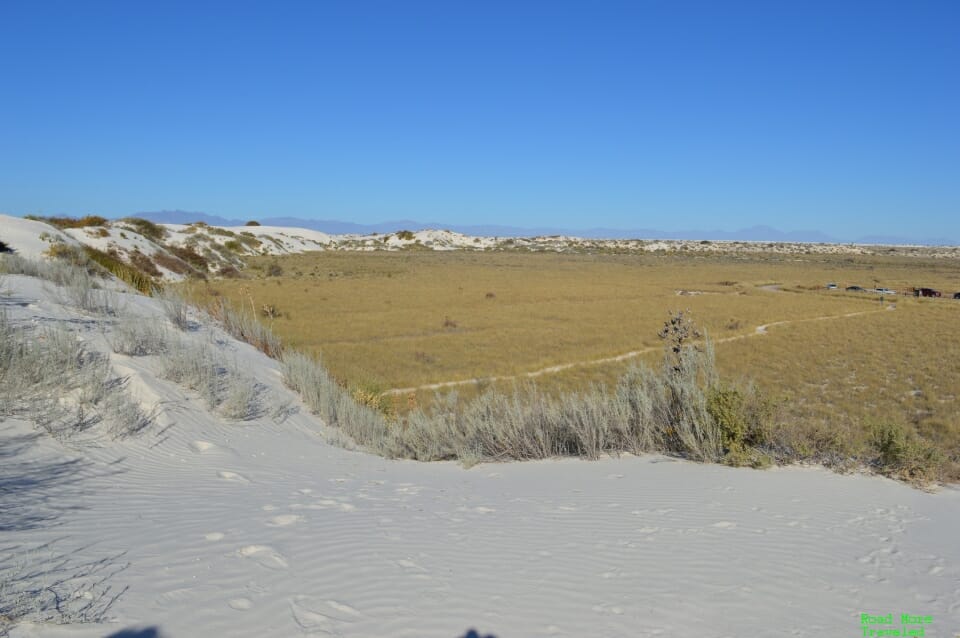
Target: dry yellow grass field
835	361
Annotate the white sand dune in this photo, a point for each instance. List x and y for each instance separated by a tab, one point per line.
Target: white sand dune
210	527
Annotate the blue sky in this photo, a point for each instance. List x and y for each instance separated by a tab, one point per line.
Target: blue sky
837	116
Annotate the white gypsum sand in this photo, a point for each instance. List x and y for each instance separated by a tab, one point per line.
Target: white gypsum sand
209	526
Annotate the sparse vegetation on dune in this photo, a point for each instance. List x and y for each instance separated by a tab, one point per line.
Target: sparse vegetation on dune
71	222
47	375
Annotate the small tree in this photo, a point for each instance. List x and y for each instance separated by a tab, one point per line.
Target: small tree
689	374
677	331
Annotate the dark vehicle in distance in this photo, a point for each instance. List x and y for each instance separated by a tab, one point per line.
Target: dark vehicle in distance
855	289
956	295
925	292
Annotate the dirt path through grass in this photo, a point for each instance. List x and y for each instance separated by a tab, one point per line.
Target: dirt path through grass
759	330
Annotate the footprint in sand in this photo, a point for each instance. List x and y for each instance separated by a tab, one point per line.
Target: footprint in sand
265	556
201	447
411	567
283	520
607	609
233	477
320	616
240	604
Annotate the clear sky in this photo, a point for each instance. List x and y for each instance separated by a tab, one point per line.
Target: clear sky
841	116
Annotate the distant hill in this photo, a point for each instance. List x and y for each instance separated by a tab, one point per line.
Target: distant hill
335	227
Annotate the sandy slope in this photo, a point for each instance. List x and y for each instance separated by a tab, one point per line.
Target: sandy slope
261	528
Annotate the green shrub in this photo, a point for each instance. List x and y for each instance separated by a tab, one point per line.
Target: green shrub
743	418
901	453
725	406
147	228
252	223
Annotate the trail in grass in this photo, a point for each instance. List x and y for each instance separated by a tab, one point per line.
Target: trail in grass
758	331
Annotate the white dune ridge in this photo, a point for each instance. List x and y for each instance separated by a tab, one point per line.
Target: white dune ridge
219	520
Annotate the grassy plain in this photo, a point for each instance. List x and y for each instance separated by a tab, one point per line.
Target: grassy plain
838	363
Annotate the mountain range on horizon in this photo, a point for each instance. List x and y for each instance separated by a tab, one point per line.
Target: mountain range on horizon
336	227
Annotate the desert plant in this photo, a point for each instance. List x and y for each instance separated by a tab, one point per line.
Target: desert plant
70	222
333	403
45	585
195	367
146	228
246	328
175	308
241	396
143	263
189	254
138	336
48	376
274	270
900	452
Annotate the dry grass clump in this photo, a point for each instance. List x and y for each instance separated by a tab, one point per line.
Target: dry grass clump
245	327
47	376
219	382
176	308
72	271
138	336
